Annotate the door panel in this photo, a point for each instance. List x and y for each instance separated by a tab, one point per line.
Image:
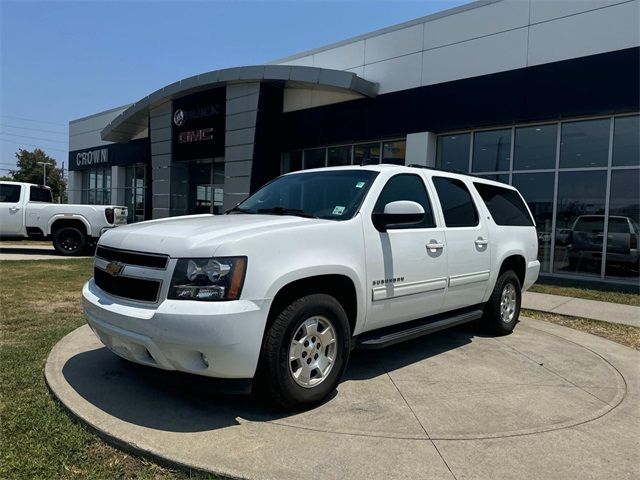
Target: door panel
467	239
11	213
405	279
469	266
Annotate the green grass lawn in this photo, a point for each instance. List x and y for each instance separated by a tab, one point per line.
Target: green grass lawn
628	295
39	304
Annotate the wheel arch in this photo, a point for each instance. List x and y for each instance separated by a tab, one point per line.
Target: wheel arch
77	221
515	262
341	286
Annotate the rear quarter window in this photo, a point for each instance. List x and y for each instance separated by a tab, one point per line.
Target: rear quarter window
505	205
39	194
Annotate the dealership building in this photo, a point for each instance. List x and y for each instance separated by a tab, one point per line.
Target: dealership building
542	95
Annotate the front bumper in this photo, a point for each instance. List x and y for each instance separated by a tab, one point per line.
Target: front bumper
215	339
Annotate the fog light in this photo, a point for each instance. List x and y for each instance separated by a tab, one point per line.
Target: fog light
205	360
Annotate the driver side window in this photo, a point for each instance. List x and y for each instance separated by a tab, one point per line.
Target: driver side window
406	186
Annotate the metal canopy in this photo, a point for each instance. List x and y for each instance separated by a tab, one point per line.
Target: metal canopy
135	118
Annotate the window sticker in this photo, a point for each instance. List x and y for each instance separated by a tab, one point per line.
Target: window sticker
360	184
338	210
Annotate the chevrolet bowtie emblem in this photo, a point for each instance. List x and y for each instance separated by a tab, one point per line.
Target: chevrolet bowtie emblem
114	268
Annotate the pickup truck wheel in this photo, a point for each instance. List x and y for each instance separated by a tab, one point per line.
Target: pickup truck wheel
69	241
503	308
305	352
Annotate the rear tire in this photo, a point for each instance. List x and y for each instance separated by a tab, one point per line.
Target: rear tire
503	308
69	241
305	352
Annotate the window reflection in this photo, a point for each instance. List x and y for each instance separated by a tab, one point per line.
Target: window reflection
535	147
626	148
394	152
366	154
498	177
337	156
292	161
624	225
314	158
492	150
453	152
585	144
537	190
580	222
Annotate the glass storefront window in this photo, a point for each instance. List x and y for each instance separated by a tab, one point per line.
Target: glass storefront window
537	190
96	186
314	158
337	156
135	192
580	222
452	152
535	147
366	154
626	141
394	152
492	151
585	143
623	260
292	161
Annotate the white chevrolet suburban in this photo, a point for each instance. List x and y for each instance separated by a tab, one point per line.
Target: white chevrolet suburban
28	211
282	287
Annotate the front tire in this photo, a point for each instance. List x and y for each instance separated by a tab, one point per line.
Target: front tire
503	308
69	241
305	352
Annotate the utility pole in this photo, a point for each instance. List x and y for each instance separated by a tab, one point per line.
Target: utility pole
44	172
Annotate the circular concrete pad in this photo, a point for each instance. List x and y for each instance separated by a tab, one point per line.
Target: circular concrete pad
395	414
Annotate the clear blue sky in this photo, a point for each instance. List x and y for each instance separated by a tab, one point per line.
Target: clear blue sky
64	60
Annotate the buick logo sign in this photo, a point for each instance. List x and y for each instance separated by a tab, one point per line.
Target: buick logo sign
178	117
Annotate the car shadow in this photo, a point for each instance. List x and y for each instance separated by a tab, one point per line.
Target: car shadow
28	251
178	402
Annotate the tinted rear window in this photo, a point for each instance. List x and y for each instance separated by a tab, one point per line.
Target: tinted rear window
10	193
457	204
505	205
39	194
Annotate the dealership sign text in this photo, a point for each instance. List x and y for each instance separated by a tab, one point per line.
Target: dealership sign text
92	157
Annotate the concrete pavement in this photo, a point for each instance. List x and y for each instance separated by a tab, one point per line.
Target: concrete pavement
546	402
580	307
18	251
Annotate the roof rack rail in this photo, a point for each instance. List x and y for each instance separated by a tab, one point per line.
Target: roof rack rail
459	172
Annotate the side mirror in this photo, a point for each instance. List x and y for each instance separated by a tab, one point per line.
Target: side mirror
400	213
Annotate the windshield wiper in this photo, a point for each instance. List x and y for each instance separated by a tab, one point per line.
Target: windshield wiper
239	209
286	211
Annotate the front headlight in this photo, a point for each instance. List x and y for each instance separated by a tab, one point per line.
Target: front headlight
208	278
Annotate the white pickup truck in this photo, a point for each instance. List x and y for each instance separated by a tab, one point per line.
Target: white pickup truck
28	211
279	290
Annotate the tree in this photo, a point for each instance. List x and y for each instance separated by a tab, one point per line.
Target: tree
31	172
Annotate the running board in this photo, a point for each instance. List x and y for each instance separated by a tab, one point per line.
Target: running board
373	340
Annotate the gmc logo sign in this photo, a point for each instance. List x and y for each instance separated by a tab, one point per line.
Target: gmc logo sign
200	135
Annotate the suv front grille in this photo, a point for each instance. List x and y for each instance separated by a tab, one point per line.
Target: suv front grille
149	260
127	287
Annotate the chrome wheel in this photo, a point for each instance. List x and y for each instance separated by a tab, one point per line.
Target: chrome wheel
312	353
508	303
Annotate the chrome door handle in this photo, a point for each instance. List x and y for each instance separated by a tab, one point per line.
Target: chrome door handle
481	241
435	246
14	209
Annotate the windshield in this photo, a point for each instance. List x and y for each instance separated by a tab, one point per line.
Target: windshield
331	194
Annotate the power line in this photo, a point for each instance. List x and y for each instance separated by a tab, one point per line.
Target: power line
33	145
34	138
34	129
33	120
